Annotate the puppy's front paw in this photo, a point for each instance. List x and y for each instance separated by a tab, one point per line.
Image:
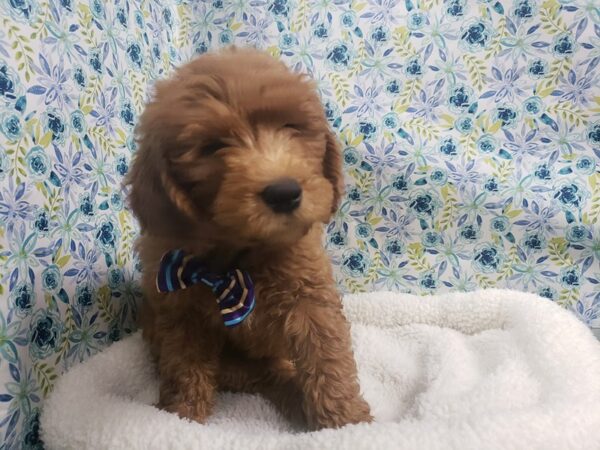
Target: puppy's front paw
339	413
196	411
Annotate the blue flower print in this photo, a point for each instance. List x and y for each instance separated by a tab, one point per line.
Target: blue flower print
121	166
54	121
363	230
576	233
460	98
8	83
78	123
438	177
201	48
491	184
470	232
563	45
393	87
585	165
51	279
107	235
390	121
97	8
487	258
127	114
21	10
338	239
136	57
542	172
413	68
534	241
355	263
279	8
86	205
45	333
320	31
339	56
41	223
394	246
424	204
116	201
139	19
399	183
286	41
31	432
114	334
570	196
84	295
351	156
95	60
455	8
11	127
533	107
537	68
500	224
431	239
448	146
380	34
226	37
4	165
38	163
354	194
593	134
122	17
507	114
368	129
348	19
524	9
79	77
476	35
217	4
547	292
464	124
570	277
22	299
131	144
116	278
487	144
428	281
416	20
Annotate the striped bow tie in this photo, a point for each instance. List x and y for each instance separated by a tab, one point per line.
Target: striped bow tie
234	290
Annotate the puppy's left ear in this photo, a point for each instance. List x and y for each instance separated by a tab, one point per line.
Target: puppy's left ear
332	168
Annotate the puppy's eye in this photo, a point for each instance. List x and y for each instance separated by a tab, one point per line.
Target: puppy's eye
212	147
292	126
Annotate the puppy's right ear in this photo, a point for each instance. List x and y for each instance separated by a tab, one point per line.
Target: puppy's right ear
154	194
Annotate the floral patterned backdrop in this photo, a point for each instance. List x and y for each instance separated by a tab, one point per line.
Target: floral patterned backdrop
471	135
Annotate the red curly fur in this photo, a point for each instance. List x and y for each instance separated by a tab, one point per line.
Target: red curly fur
215	135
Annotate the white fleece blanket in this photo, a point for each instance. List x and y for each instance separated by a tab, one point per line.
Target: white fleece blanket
485	370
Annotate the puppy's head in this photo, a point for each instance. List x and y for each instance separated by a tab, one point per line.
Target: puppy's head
238	146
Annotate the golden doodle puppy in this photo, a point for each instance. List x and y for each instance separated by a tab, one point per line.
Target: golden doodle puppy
236	173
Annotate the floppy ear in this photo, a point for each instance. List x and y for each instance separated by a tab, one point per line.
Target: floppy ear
332	168
154	194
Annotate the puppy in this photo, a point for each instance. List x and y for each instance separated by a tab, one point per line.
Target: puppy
236	173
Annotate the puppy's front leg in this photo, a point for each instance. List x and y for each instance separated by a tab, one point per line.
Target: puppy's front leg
321	349
187	366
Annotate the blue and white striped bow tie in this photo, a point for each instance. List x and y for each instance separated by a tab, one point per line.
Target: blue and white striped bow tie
234	290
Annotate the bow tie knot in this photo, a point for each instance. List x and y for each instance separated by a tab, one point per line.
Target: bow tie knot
234	290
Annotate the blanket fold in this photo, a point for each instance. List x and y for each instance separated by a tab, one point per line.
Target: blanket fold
492	369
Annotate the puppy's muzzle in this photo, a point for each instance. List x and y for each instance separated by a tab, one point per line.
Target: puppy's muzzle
283	196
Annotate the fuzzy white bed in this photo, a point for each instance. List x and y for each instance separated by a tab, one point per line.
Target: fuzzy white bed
486	370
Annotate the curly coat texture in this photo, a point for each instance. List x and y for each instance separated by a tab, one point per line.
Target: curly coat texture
215	135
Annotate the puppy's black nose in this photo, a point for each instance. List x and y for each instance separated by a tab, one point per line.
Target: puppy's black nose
283	196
